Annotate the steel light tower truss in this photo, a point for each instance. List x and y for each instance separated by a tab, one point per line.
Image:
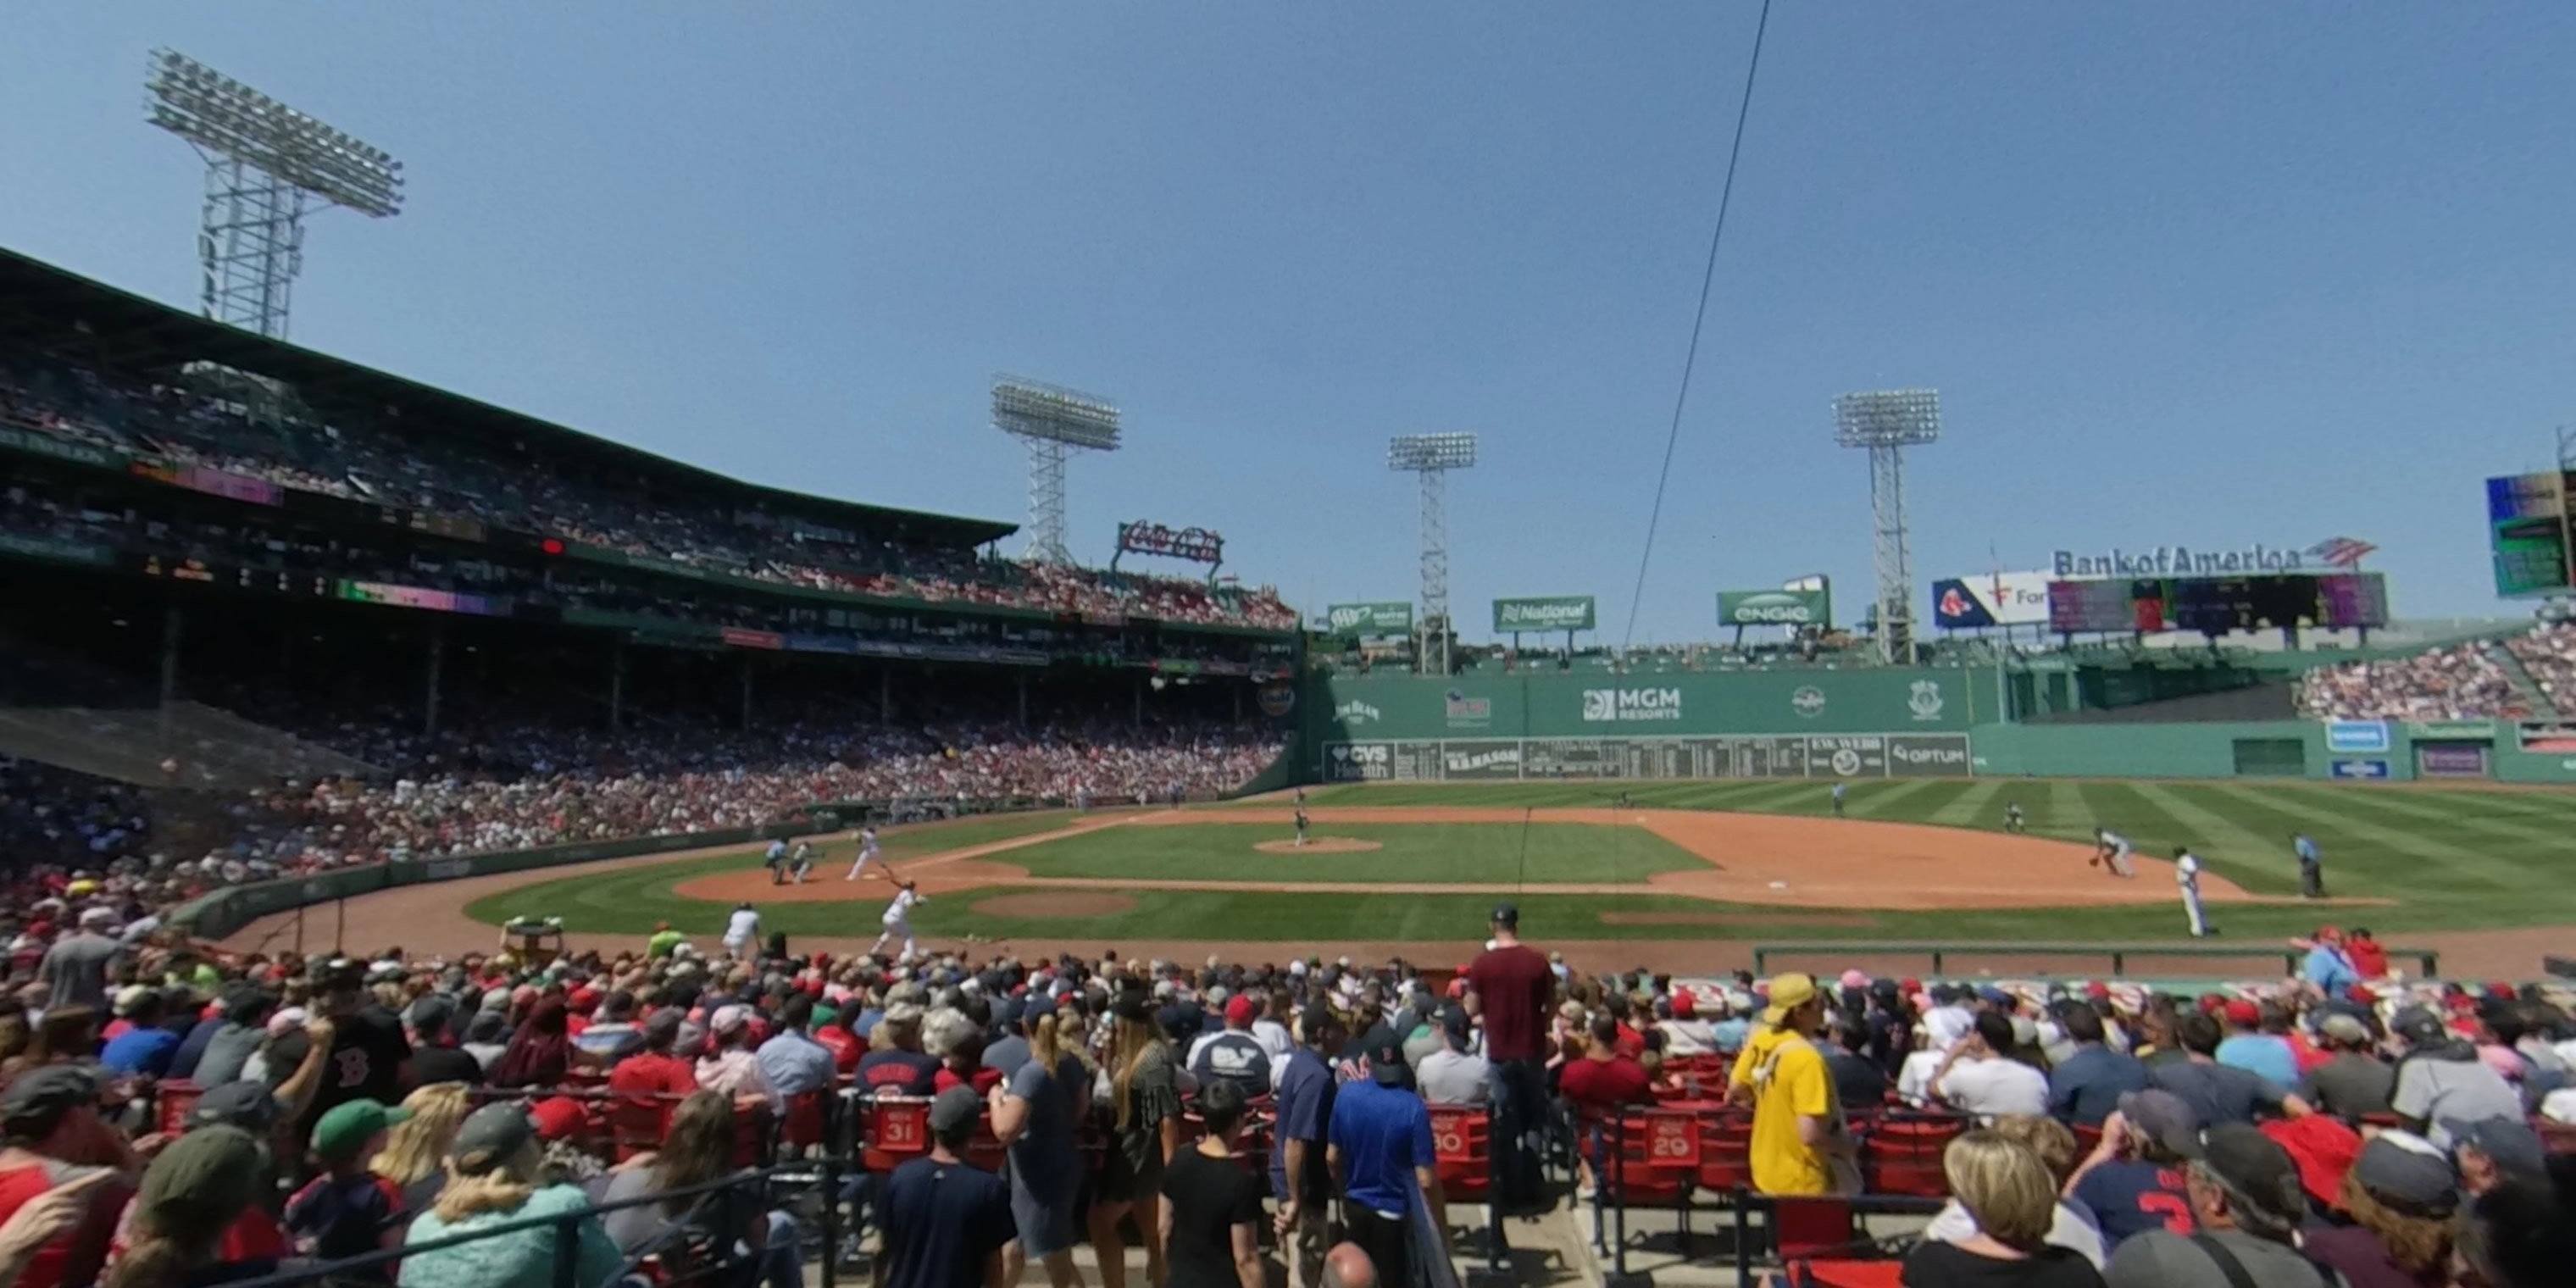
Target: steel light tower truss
1054	422
1887	422
265	164
1431	457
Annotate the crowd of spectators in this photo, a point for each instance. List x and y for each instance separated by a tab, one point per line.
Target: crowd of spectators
2549	653
2455	682
426	472
501	786
2105	1133
55	816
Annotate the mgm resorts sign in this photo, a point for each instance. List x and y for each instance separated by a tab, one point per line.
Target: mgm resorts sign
2191	561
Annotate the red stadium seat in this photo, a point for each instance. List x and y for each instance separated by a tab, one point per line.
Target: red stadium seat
1903	1155
2557	1138
1835	1272
1803	1225
2087	1138
896	1132
1726	1152
1635	1176
175	1100
636	1125
1462	1146
802	1124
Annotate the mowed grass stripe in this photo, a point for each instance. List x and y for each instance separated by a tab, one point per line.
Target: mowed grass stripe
1446	853
1975	806
2218	839
2404	832
2359	857
1782	797
1890	801
2389	843
2449	815
2453	863
2061	813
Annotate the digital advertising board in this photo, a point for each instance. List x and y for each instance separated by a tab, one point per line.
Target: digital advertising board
1990	599
2531	533
2219	605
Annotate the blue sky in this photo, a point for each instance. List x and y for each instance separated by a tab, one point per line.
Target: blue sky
2212	273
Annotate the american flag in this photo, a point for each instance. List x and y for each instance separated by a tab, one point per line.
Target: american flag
2341	552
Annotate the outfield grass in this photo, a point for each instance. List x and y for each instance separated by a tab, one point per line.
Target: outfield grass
2453	860
619	900
1425	853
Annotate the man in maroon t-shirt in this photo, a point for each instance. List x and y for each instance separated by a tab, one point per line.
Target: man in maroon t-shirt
1510	988
1606	1077
1599	1084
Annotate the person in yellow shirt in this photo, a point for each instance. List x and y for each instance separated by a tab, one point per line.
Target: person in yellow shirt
1800	1143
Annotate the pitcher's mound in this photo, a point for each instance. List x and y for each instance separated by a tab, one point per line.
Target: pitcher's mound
1055	903
1320	845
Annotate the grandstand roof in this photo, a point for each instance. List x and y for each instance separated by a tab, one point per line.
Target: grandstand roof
140	334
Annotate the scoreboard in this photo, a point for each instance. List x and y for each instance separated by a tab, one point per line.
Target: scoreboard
2218	605
2532	533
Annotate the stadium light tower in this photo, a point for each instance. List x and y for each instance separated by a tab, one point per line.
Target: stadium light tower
1887	422
1432	456
264	162
1052	421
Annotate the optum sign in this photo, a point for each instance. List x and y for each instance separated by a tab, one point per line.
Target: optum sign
1774	608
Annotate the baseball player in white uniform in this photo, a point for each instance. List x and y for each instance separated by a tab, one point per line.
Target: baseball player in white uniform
742	929
801	860
2112	851
2187	875
898	918
868	854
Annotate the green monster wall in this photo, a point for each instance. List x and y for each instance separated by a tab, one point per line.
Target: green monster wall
1594	724
1853	724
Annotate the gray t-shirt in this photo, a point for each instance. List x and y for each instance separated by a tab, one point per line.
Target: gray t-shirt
2218	1093
226	1052
632	1228
1007	1053
2161	1259
1449	1078
75	970
1044	1165
2447	1092
2350	1085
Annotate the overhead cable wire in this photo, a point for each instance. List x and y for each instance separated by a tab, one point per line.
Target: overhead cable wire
1699	323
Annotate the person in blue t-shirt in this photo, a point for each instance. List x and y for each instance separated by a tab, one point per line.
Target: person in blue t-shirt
2247	1046
2086	1087
944	1220
1380	1129
146	1048
1304	1103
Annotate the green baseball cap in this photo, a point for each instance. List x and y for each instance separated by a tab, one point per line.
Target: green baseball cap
347	1127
